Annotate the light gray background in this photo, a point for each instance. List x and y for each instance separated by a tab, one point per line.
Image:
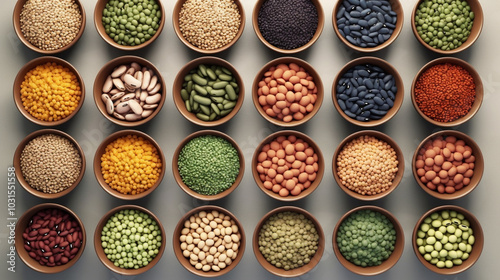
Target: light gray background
328	203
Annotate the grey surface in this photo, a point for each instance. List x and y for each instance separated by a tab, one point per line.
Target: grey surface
408	202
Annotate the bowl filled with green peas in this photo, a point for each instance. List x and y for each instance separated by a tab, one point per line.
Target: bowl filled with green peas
208	165
129	25
368	240
208	91
129	240
447	27
448	239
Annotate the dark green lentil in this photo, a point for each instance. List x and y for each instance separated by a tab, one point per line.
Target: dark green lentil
208	164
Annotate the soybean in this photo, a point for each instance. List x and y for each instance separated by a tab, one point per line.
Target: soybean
212	86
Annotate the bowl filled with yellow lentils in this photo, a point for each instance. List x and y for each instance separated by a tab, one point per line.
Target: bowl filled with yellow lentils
48	91
129	164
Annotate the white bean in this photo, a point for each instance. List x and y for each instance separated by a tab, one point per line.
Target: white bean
146	113
155	89
149	106
118	95
132	117
152	83
118	84
153	99
108	84
146	78
131	81
118	116
122	108
119	71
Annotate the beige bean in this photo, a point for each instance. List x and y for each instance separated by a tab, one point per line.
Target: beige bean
209	242
130	71
152	83
201	255
117	95
131	81
235	238
108	84
119	71
190	247
132	117
118	84
146	78
149	106
184	246
143	96
222	257
139	76
135	107
152	99
122	107
198	266
227	239
186	253
206	268
110	108
215	268
118	116
193	257
222	265
146	113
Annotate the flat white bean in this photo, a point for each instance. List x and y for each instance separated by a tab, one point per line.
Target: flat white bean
109	104
108	84
146	78
117	95
114	91
136	108
132	117
131	81
122	108
153	99
127	97
118	116
119	71
149	106
118	84
143	95
139	76
155	89
152	83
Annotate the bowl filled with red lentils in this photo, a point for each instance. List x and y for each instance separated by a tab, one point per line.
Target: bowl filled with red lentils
129	25
288	27
447	92
368	165
129	164
208	27
129	91
49	163
448	164
288	165
287	91
50	238
49	27
48	91
209	241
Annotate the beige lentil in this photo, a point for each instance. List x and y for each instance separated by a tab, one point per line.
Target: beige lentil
50	163
50	25
209	24
367	165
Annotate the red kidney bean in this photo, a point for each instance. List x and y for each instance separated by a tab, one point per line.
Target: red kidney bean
64	244
69	238
64	260
32	254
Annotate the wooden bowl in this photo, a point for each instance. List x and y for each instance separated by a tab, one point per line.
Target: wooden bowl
380	136
477	26
100	251
99	8
102	149
175	21
477	81
19	173
280	272
107	69
386	264
319	29
23	223
305	192
389	69
20	78
396	7
185	262
477	248
478	165
179	80
17	28
287	60
192	193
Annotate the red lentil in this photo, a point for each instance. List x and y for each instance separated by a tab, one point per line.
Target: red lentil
445	92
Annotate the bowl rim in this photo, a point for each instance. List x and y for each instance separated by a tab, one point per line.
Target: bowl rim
100	252
389	69
179	79
381	136
478	100
99	27
31	65
178	251
97	164
478	169
123	60
17	29
20	176
21	226
302	63
297	271
396	7
393	258
319	173
184	187
317	34
175	22
478	14
477	248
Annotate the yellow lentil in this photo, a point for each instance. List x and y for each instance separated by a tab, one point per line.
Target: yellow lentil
131	164
50	92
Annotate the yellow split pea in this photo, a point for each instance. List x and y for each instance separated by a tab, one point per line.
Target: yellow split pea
50	92
131	164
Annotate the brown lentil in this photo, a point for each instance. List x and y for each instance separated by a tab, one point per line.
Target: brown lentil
50	25
367	165
209	24
50	163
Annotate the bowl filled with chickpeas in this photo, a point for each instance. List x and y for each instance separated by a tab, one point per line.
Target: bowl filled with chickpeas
129	164
209	241
368	165
48	91
49	27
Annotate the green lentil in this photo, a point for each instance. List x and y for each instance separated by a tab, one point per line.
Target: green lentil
288	240
444	25
131	239
208	164
367	238
131	22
